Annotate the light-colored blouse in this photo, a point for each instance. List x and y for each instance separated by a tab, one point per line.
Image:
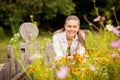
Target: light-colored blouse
60	45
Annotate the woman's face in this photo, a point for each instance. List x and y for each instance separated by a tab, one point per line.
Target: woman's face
71	27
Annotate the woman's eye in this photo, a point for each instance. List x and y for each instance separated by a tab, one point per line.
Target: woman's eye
69	26
74	26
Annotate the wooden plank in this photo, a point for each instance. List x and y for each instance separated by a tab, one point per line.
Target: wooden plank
19	76
11	60
1	75
1	72
1	66
5	71
27	49
17	67
24	52
49	52
37	45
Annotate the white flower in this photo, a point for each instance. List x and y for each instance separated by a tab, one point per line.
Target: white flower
92	67
114	55
109	27
82	50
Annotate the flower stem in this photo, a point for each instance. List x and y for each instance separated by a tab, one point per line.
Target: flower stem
91	23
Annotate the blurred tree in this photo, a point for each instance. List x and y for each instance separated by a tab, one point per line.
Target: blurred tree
53	12
13	12
108	8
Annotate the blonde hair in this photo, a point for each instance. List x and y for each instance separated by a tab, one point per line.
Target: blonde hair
81	34
73	17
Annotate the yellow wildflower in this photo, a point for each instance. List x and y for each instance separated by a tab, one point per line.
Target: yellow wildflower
75	70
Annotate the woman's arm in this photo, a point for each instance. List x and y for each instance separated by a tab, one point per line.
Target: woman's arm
57	46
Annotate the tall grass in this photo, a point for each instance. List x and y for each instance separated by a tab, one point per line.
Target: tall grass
100	61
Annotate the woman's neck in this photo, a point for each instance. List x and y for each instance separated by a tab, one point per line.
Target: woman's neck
69	40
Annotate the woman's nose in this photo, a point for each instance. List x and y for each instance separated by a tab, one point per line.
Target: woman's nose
72	28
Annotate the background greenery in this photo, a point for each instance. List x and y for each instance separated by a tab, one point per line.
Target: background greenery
50	14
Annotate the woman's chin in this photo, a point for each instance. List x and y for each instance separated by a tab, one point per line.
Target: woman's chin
71	36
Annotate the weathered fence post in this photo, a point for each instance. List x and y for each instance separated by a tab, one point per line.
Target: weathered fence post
29	33
49	53
1	72
5	71
11	60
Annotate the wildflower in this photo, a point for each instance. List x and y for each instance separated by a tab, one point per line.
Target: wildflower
103	18
116	31
109	27
84	72
115	44
31	16
114	55
97	58
75	70
62	73
78	58
97	19
32	69
34	56
92	67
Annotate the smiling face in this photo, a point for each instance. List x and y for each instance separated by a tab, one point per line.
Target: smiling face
71	28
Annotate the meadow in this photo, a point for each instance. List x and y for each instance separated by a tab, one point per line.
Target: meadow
100	62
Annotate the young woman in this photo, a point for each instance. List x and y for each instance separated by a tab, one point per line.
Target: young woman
70	39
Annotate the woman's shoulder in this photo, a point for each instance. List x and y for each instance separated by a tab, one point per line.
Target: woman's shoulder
59	34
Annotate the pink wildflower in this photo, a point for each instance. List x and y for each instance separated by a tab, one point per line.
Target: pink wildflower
115	44
103	18
116	31
97	19
63	71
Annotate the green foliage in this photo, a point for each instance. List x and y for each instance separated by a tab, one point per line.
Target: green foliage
2	35
100	61
52	7
98	40
15	38
14	12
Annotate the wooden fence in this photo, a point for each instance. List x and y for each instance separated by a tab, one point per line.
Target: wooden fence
11	69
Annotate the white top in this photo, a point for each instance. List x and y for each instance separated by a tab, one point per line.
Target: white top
60	45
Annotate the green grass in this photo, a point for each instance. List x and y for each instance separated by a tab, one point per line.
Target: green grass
100	41
42	38
100	55
3	49
93	41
